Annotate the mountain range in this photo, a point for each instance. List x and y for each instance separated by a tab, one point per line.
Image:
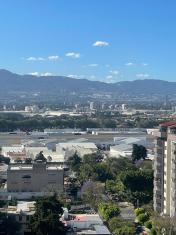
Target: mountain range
12	82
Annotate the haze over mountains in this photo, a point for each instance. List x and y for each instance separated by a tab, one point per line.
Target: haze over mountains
12	82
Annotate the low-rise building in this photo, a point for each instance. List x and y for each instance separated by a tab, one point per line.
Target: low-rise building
21	213
84	224
81	148
35	177
124	146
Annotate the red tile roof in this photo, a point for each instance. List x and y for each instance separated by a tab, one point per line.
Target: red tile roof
168	124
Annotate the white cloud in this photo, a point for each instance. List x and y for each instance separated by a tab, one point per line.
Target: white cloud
114	72
76	76
142	75
35	58
74	55
46	74
129	64
109	79
93	65
53	57
37	74
144	64
92	77
100	44
40	58
31	58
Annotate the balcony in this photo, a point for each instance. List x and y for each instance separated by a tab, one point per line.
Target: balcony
157	175
157	184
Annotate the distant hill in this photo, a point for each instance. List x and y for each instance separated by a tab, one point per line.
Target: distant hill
15	83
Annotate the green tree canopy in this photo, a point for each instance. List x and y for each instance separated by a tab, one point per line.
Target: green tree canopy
40	157
119	226
5	160
139	152
45	221
75	162
92	193
108	210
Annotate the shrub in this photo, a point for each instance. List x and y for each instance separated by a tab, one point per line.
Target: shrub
108	210
142	218
139	211
148	224
153	232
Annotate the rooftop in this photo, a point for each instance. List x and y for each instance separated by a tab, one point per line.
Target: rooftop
22	207
77	144
18	166
86	217
168	124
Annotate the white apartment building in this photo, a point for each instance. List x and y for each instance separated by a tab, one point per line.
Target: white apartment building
165	169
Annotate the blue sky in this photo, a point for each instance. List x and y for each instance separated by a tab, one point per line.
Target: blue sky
107	40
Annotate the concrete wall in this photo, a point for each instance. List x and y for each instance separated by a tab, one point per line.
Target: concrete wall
35	179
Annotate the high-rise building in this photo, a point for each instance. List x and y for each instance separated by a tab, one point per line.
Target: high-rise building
165	169
91	105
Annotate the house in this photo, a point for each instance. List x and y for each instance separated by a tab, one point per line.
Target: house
84	223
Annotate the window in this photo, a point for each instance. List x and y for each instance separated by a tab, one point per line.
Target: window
26	176
20	218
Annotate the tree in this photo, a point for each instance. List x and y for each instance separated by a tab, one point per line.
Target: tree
119	226
49	159
138	184
45	221
148	224
102	172
8	224
139	152
93	158
18	160
5	160
114	186
28	160
118	165
108	210
115	222
75	162
92	193
125	230
87	172
139	211
153	231
40	157
142	218
164	225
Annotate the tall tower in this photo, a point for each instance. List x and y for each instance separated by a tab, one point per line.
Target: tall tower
165	169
